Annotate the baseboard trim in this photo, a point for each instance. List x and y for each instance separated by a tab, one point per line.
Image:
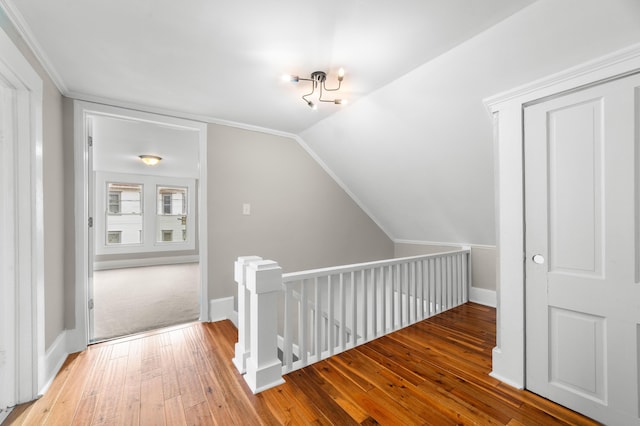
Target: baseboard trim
222	309
136	263
483	296
5	413
506	381
53	359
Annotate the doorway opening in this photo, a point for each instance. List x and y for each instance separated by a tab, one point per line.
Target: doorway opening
145	262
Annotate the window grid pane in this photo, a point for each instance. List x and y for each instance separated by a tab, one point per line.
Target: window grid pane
124	215
171	218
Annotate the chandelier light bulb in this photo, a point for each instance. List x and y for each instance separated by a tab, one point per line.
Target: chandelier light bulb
340	74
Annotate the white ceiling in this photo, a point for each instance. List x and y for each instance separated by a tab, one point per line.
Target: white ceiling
224	59
118	143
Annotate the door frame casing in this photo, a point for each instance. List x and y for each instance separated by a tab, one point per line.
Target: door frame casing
82	109
22	316
509	364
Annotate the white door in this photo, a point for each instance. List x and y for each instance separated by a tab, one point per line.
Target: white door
582	280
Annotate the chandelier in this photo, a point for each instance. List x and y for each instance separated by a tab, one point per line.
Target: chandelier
318	83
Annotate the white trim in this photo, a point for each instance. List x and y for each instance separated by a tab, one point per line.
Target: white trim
54	358
174	113
80	335
435	243
483	296
222	309
136	263
22	338
25	32
586	73
509	354
505	379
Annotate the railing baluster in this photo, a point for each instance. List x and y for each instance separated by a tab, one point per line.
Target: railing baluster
420	291
304	324
343	316
450	281
287	349
454	280
383	300
365	302
439	285
414	286
459	279
405	285
331	341
318	323
432	286
392	306
466	268
354	311
374	304
400	308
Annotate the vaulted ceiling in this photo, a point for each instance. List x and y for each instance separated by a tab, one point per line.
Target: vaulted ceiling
414	145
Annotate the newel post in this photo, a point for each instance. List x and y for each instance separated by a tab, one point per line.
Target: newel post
243	347
264	282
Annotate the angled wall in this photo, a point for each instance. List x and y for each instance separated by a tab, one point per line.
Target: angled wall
418	153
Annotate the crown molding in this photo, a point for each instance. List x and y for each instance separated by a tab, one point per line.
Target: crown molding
585	73
174	113
26	34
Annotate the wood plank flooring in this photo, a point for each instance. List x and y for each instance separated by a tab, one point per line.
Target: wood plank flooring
434	372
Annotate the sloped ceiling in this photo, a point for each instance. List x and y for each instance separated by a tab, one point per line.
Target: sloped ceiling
414	145
418	153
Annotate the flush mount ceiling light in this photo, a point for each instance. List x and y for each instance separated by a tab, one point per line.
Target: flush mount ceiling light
150	160
318	82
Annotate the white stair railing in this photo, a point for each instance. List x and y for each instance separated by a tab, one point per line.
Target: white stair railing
327	311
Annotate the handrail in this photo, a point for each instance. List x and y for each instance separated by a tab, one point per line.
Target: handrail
313	273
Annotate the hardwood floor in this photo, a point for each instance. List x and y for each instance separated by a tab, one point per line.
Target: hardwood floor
435	372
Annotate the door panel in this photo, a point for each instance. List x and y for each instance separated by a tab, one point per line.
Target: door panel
575	188
581	216
577	352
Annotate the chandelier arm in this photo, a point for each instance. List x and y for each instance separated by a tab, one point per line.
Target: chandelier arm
325	100
313	89
332	90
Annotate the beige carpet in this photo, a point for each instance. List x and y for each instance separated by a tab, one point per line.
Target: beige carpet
131	300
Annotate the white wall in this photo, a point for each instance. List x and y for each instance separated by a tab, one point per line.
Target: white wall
418	152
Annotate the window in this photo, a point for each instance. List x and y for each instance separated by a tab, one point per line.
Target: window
171	213
114	202
124	213
166	203
144	214
114	237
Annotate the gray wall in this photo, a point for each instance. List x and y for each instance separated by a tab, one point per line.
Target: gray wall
299	216
54	208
